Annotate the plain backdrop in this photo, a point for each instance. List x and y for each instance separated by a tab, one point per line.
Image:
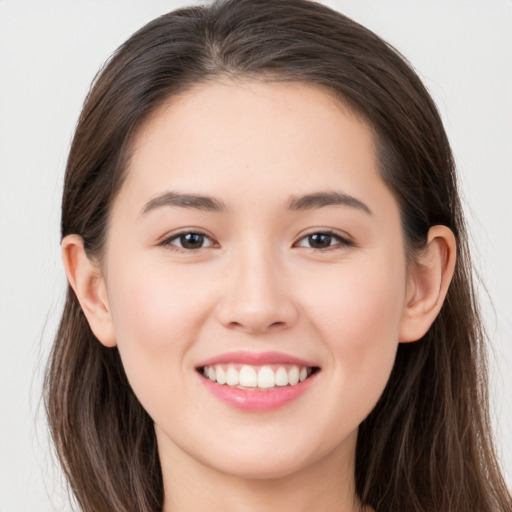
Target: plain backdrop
50	52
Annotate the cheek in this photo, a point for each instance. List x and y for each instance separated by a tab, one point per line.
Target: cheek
363	300
151	305
359	318
157	317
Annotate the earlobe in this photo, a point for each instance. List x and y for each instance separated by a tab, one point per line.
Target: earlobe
88	283
428	282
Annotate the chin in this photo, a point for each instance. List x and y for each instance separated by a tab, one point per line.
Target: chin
262	468
270	460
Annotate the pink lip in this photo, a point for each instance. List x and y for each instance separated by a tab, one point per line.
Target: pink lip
254	400
255	359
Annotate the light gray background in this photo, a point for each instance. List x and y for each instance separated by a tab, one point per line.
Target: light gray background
49	53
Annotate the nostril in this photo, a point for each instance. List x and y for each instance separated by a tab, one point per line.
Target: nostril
234	325
255	326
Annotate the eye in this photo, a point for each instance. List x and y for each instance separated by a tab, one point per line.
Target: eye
323	240
190	240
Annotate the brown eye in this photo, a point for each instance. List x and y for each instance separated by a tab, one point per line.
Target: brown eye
323	240
319	240
189	241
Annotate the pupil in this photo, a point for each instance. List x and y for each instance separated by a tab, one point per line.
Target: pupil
319	240
192	240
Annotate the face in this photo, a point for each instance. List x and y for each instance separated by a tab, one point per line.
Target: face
255	242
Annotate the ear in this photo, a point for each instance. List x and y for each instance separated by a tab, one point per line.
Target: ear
428	282
88	283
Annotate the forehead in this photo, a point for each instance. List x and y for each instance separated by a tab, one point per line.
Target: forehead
250	106
255	138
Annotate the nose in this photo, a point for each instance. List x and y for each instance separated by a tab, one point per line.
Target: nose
258	297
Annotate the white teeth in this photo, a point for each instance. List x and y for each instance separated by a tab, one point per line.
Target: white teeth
281	377
232	377
221	374
264	377
248	377
293	376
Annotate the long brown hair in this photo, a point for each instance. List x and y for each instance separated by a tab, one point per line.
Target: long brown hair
427	445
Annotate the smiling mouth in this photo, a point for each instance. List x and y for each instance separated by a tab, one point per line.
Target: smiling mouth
260	378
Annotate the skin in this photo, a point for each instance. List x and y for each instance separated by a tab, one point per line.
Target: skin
258	285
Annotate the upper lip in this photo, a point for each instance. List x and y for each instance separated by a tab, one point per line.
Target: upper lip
255	359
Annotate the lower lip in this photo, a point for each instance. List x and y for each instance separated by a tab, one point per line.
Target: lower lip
255	400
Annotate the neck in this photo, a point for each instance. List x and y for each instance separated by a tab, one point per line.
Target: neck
326	485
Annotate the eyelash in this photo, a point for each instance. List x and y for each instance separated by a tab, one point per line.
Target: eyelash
168	242
341	241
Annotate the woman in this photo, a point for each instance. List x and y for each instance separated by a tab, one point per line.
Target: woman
270	300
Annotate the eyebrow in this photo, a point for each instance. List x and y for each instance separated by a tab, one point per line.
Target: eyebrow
322	199
192	201
295	203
